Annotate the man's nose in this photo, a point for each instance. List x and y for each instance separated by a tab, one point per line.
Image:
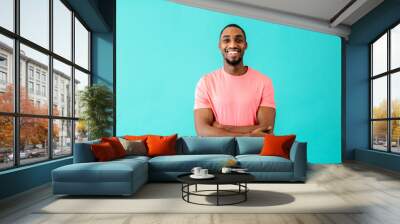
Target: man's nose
232	44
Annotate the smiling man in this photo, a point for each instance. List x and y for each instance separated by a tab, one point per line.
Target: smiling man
235	100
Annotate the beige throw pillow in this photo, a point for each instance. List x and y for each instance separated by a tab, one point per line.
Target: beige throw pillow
137	147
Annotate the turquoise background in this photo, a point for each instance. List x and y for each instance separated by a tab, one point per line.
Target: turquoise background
163	49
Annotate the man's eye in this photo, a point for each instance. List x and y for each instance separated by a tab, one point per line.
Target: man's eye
225	40
239	41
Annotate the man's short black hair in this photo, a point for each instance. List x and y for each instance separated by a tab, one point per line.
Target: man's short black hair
233	25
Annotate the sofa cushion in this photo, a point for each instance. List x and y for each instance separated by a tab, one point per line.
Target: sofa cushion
185	163
103	152
116	145
277	145
249	145
135	147
194	145
161	145
136	137
116	170
257	163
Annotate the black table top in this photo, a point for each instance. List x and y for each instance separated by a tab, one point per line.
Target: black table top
220	178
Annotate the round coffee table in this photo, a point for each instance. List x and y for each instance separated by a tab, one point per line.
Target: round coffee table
238	179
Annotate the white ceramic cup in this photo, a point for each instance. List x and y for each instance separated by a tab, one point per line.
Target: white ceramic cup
203	172
196	170
226	170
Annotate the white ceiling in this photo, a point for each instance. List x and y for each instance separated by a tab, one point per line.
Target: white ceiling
327	16
320	9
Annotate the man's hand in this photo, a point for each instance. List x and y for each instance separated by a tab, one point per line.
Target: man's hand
206	124
265	130
261	132
264	124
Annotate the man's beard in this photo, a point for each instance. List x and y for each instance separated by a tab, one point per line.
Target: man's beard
233	63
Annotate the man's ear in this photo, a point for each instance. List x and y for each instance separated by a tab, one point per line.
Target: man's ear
245	45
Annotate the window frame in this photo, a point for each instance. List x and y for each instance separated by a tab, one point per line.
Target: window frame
16	114
388	74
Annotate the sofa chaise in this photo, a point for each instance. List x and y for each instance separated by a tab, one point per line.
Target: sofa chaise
126	175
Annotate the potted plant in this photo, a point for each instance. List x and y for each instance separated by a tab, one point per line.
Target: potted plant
96	102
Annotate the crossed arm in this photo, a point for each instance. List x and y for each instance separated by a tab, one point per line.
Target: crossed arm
207	126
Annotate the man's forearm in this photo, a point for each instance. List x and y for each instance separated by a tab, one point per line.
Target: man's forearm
241	129
214	131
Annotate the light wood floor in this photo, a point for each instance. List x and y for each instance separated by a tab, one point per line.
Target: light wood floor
377	188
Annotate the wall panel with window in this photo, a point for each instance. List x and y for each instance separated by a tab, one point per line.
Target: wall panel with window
44	64
385	91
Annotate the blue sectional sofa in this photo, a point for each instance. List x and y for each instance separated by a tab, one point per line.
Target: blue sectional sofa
125	176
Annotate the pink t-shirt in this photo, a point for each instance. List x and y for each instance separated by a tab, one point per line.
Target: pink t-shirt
234	100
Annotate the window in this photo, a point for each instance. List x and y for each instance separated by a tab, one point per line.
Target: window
81	45
37	89
55	102
44	91
40	63
6	142
7	14
3	78
62	74
81	81
34	21
3	61
3	72
62	31
385	91
30	72
37	74
62	137
395	47
30	87
33	149
6	73
47	74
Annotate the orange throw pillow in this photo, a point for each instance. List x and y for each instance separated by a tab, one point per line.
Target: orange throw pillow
277	145
116	145
161	145
136	138
103	151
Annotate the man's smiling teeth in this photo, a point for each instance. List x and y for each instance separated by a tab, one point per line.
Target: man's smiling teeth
232	52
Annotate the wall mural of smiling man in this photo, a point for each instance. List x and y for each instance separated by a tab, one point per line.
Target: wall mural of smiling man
234	100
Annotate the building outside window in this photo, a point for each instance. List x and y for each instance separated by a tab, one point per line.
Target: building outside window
3	71
43	90
3	77
30	87
34	75
55	95
38	89
30	72
3	60
43	77
37	75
